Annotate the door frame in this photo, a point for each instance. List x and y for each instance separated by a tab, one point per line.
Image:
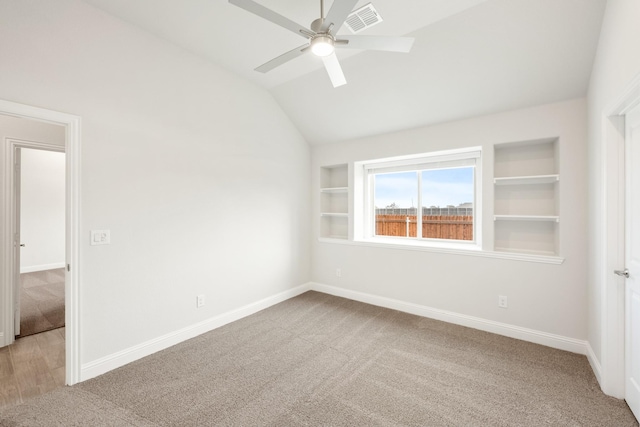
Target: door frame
611	253
631	265
72	233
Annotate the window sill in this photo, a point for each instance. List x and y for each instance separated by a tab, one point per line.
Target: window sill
444	248
424	244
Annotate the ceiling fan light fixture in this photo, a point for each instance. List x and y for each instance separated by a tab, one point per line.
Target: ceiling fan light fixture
322	45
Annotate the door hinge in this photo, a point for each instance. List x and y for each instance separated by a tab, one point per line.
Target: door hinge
68	267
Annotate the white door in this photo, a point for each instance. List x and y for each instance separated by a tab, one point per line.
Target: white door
16	241
632	258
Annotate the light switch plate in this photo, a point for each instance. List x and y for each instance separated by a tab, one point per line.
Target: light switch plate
100	237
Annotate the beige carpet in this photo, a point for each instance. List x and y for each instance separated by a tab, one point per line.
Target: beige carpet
41	301
318	360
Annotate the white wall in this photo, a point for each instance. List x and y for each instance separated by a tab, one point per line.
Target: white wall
42	210
617	63
199	175
546	298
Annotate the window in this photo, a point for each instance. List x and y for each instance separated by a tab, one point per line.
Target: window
430	199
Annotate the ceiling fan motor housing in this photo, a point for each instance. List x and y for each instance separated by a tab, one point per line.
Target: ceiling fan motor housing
317	24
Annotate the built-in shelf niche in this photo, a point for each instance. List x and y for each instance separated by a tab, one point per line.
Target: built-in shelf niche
526	191
334	202
531	237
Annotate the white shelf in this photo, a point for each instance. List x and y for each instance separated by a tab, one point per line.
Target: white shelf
527	252
335	214
548	218
527	180
334	190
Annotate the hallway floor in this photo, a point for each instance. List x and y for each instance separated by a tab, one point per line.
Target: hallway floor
31	366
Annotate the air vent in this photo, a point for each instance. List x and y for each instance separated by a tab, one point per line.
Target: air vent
363	18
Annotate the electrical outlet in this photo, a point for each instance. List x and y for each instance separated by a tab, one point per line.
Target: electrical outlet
200	301
100	237
502	301
338	272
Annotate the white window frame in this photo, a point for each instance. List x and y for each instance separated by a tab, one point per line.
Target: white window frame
364	209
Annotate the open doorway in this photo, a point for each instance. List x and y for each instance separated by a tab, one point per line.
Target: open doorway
31	119
35	205
40	191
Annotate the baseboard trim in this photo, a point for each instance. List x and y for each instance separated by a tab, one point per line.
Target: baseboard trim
121	358
595	364
550	340
34	268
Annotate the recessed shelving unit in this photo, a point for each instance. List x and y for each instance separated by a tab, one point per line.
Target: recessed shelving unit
334	204
526	205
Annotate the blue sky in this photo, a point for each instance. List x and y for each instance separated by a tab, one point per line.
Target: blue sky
440	187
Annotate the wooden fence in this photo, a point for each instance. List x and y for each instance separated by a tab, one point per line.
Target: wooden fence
455	227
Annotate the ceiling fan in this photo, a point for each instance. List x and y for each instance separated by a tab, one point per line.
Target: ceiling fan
322	38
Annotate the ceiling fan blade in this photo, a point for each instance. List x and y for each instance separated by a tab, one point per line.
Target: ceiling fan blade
334	70
392	44
338	13
285	57
270	15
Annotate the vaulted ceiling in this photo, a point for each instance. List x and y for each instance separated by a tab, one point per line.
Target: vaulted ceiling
470	57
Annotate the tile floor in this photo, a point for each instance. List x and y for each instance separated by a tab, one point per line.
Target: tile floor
31	366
